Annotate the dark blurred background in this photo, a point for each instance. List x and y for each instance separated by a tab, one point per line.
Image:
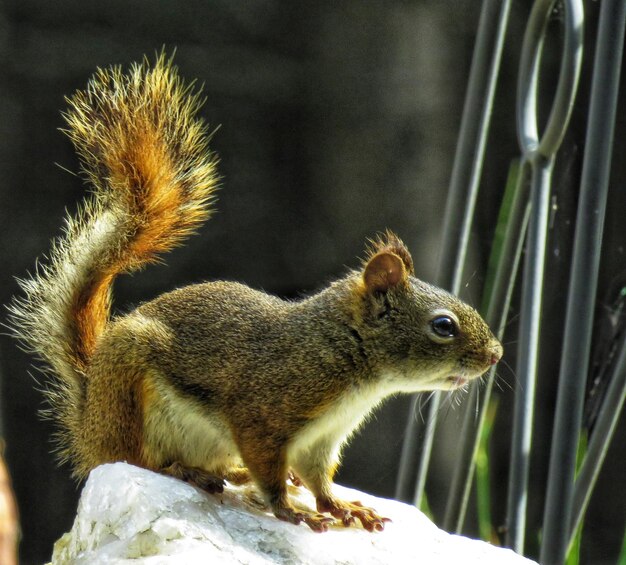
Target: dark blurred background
337	119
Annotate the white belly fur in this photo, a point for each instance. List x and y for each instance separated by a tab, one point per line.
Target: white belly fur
331	429
177	430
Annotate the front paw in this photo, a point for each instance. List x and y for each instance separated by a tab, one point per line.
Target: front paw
348	512
316	522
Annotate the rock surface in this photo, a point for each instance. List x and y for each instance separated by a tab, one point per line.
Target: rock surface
129	515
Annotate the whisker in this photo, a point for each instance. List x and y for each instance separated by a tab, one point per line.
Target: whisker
499	381
511	320
422	403
481	382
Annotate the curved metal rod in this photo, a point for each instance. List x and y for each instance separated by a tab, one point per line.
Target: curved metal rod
550	140
583	280
538	154
461	200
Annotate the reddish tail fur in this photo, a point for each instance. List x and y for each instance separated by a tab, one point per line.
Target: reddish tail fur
144	152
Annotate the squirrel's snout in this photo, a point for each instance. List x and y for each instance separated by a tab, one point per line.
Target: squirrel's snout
496	352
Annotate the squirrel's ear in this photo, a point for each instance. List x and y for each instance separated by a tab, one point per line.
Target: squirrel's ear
389	242
383	271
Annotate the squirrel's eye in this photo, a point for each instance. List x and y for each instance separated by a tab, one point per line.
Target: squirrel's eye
444	326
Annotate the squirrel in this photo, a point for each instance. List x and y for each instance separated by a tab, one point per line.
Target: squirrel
218	382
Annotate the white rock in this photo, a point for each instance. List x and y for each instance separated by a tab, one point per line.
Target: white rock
130	515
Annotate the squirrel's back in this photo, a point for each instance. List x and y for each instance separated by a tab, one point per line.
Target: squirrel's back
226	331
144	153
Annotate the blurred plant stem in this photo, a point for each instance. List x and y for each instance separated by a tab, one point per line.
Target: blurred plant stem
483	498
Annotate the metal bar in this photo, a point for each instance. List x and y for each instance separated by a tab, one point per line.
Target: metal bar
497	309
600	440
408	455
539	155
427	447
464	180
528	351
498	305
583	280
468	159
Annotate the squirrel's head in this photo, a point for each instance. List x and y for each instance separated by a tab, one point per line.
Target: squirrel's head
424	337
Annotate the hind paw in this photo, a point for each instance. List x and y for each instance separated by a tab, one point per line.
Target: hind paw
195	476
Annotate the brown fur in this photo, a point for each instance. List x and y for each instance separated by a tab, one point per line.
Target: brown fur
218	381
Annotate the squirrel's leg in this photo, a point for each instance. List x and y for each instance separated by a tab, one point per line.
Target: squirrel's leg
316	471
111	426
238	476
196	476
267	465
207	481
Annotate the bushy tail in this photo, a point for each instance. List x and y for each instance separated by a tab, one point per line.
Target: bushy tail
145	154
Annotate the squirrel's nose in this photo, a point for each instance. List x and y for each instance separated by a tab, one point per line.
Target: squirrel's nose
496	352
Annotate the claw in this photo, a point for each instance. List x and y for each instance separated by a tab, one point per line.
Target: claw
317	522
349	512
295	480
348	520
